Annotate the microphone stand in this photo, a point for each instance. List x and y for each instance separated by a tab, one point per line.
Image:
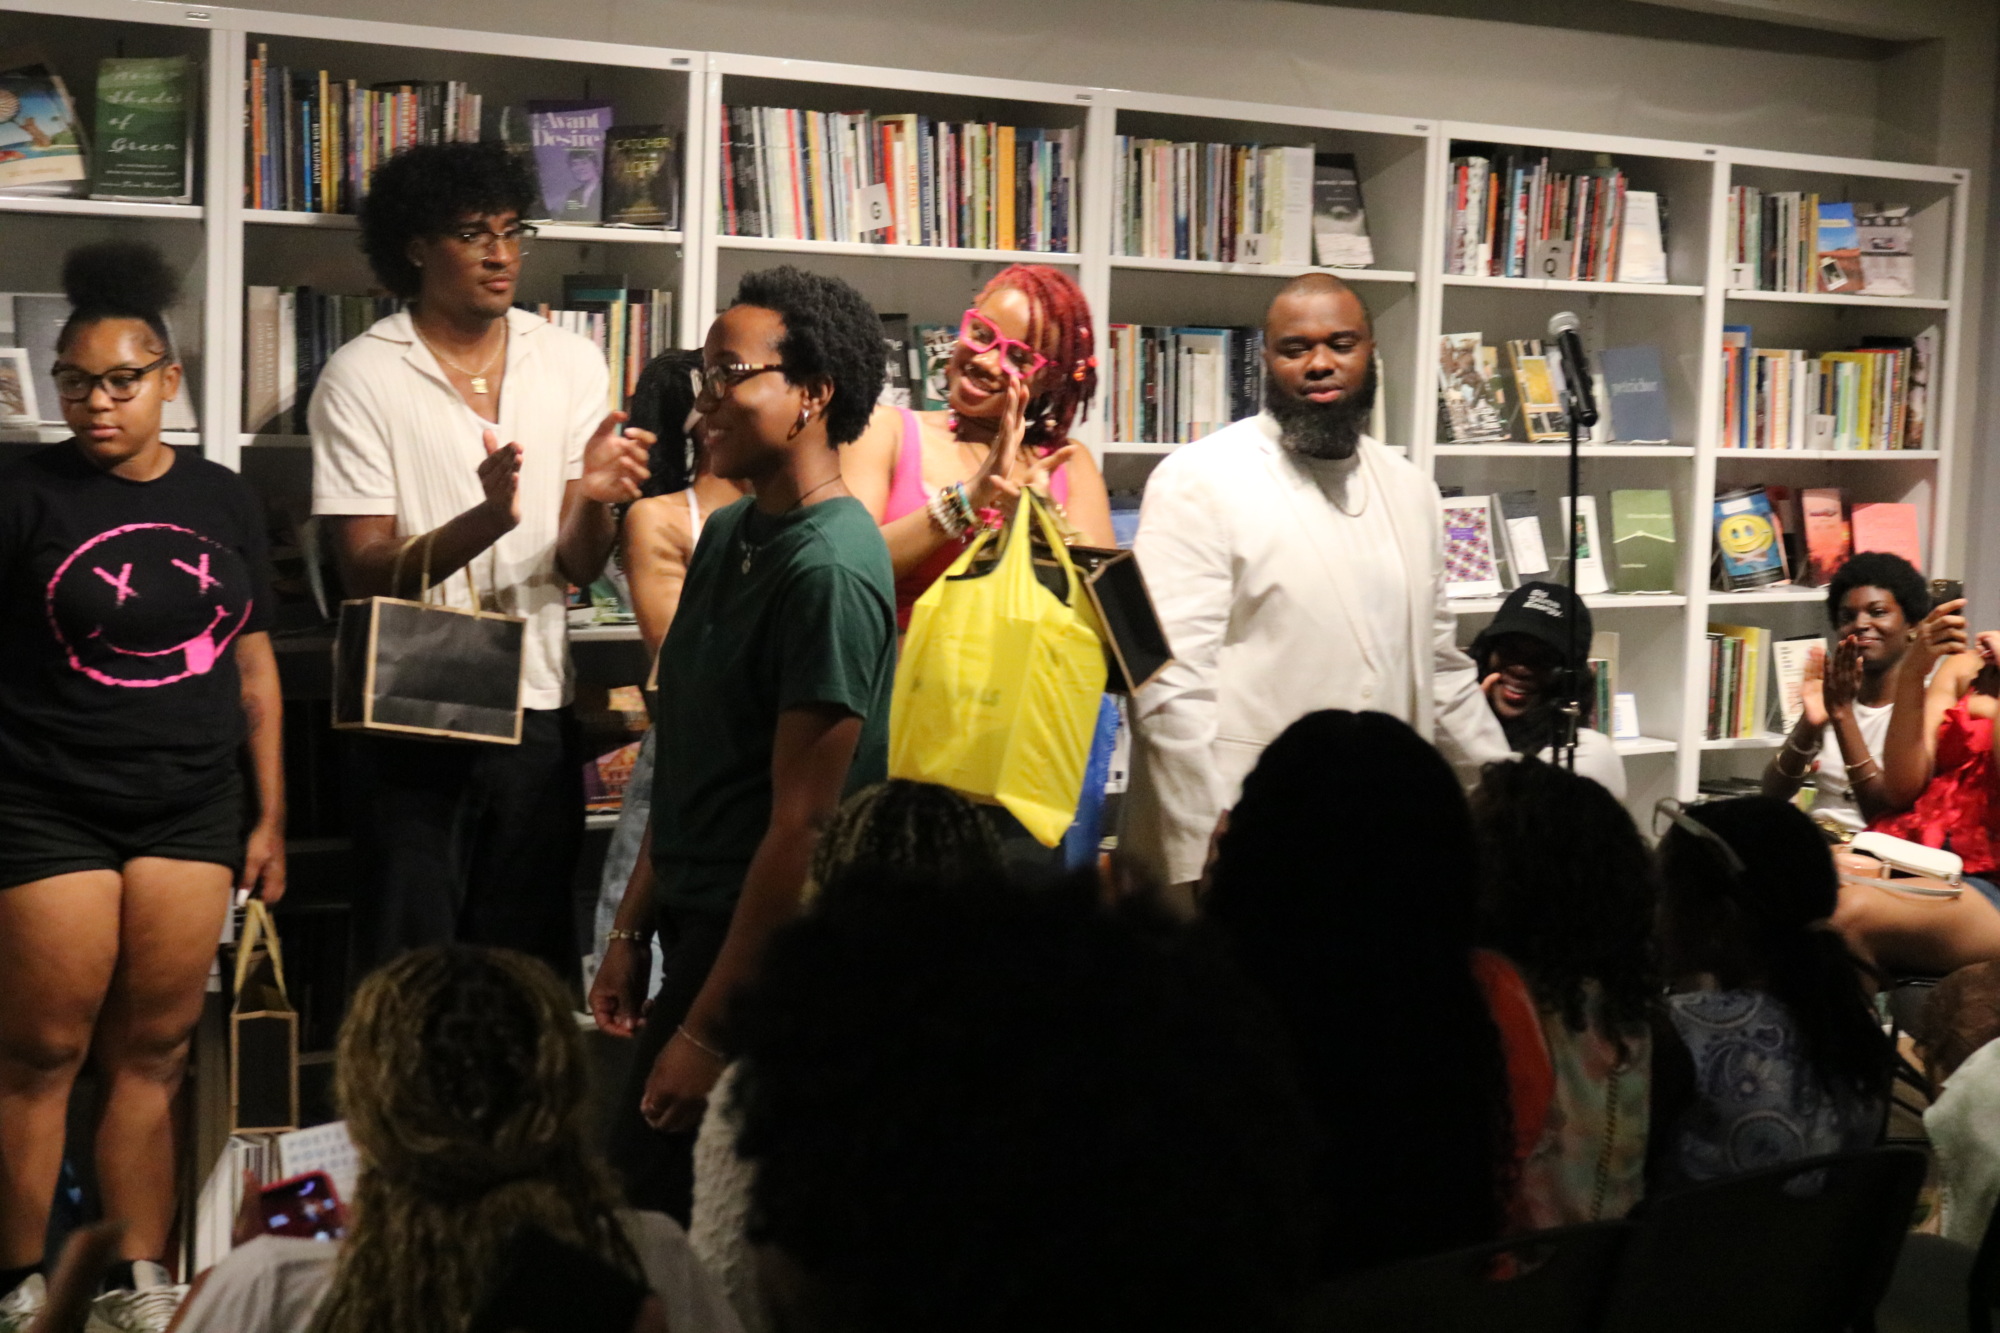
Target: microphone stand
1581	415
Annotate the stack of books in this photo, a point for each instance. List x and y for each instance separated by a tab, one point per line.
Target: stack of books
1505	211
1739	681
897	180
313	140
1229	203
1173	385
1793	241
1873	397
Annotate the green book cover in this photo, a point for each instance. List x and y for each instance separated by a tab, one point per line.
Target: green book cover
142	130
1643	549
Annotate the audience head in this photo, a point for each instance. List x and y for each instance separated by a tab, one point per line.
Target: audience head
1747	887
909	828
795	362
116	368
432	220
463	1081
663	403
976	1108
1877	597
1043	308
1345	887
1319	366
1961	1014
1566	890
1528	644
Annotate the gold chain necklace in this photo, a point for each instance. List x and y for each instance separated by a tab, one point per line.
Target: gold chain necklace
478	377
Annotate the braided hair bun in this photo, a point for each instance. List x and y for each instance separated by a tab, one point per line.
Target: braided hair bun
118	280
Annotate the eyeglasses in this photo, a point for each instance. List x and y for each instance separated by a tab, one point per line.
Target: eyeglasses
718	380
121	383
1669	811
483	242
981	335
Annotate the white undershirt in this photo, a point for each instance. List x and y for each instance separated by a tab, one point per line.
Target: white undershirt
1835	798
1365	545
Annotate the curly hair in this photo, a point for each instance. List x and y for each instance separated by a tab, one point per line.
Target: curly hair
661	402
118	280
979	1109
1879	569
1768	924
831	333
463	1082
1060	329
1567	892
1381	925
906	826
427	190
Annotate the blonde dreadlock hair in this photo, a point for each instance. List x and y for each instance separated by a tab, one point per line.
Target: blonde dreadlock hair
462	1079
905	826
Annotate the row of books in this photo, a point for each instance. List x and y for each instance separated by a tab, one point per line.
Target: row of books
1481	401
630	325
1512	215
1793	241
1739	681
31	323
1874	397
1496	542
897	180
1238	203
1172	385
146	111
1767	536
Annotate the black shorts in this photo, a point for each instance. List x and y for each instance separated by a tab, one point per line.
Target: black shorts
46	831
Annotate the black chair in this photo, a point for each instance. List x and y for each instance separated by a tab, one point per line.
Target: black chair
1807	1247
1547	1282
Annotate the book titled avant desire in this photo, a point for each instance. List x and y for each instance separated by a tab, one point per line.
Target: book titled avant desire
642	177
142	130
567	139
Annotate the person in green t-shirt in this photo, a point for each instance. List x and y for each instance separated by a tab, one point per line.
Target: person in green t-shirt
774	698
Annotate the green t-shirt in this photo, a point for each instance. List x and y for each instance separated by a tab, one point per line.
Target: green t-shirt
776	612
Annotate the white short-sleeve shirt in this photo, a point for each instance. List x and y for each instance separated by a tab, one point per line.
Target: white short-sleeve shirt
391	436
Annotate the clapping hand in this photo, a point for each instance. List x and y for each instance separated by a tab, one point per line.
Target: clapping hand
614	462
500	477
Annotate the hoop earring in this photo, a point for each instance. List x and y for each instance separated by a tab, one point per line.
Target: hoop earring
805	418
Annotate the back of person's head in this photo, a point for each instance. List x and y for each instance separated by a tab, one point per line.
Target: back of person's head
907	828
1345	887
1566	890
1961	1014
1766	928
464	1085
976	1108
662	402
1879	569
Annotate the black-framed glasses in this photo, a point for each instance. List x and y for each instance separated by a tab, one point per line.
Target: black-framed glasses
1668	811
120	382
718	380
484	241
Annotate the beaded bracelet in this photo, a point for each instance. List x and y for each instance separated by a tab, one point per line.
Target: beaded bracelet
944	516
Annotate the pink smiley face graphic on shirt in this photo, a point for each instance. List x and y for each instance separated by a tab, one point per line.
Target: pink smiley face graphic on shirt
148	604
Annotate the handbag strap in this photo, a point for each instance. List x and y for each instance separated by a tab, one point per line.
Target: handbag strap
257	927
428	540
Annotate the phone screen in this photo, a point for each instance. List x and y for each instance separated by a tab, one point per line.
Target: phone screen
305	1206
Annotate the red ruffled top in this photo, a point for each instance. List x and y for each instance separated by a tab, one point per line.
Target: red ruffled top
1960	808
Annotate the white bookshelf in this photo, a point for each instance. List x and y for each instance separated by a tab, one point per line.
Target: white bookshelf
220	245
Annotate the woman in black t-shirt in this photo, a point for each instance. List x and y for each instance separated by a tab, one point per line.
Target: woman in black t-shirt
134	600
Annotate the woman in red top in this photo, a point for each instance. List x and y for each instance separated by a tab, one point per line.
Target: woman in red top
1943	790
1021	375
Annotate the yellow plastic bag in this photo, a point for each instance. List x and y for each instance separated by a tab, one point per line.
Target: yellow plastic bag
998	687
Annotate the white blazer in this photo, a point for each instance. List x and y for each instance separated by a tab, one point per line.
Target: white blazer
1233	542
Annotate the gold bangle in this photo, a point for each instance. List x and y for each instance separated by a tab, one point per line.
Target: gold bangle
701	1045
1870	763
636	936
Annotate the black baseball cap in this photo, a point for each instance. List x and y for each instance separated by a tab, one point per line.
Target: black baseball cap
1542	611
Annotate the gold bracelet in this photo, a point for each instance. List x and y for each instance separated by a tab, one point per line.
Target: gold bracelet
702	1046
1869	762
1791	744
636	936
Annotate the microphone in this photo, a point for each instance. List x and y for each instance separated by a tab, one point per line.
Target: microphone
1576	367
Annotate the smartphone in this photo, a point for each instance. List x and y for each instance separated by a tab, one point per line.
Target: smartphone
305	1206
1946	590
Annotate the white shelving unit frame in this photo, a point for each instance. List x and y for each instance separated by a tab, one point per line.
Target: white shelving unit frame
1675	760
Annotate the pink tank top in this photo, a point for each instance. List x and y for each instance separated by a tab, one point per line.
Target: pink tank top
908	496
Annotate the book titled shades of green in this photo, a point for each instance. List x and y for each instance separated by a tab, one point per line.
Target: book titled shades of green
143	110
1643	549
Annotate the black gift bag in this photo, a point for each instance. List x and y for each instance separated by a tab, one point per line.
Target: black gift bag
421	668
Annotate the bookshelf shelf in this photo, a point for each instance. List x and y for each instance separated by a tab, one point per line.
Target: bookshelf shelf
601	821
1838	299
545	231
1568	285
1765	740
1562	451
604	634
280	217
1606	601
274	441
873	251
1645	745
1772	596
1138	262
99	208
56	434
1832	455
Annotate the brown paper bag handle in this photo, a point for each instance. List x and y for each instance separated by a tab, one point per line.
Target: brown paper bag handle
257	925
424	578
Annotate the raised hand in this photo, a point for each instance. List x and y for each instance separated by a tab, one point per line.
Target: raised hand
1812	689
614	462
1941	633
500	477
1843	678
993	485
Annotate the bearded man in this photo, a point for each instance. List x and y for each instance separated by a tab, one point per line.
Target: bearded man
1297	564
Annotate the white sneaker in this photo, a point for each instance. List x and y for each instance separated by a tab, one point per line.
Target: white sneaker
19	1307
149	1309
